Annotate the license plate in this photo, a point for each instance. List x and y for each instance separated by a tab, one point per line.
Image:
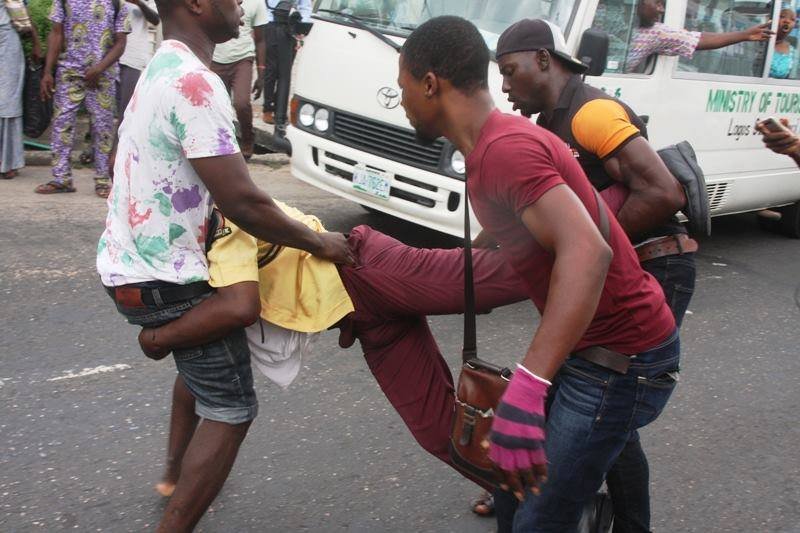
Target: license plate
372	182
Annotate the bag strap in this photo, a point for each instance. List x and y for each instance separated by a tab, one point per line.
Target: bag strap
470	346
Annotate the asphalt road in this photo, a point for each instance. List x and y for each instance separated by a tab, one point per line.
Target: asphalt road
82	452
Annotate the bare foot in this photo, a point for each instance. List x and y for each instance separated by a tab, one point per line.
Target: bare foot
165	488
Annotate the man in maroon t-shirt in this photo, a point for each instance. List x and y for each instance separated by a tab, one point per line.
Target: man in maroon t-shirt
607	339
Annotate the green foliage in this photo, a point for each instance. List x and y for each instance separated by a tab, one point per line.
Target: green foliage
39	11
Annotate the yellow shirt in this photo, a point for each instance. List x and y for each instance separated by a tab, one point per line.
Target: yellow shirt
298	291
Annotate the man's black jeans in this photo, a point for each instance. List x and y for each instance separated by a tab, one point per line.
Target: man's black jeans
278	74
629	479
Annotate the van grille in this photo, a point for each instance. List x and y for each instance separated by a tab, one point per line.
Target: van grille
385	140
717	195
394	191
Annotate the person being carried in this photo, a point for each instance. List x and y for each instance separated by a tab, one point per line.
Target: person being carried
532	197
177	156
654	37
383	302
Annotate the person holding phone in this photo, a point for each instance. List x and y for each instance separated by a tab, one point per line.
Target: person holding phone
779	138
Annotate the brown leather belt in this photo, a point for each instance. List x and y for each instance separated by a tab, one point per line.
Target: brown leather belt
606	358
670	245
136	296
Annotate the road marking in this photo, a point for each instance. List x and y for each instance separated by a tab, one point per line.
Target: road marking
91	371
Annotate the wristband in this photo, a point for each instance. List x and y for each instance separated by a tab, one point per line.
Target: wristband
534	376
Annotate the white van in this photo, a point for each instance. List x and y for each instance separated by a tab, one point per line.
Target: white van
350	136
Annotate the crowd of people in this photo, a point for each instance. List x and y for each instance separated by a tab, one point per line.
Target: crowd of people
222	276
96	52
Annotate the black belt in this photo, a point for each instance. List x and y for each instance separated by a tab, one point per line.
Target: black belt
140	295
606	358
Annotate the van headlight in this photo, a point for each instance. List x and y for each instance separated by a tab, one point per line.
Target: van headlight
458	163
306	115
321	122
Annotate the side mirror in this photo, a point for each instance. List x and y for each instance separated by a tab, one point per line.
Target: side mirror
593	50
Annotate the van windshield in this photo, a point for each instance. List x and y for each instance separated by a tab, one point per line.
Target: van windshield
492	17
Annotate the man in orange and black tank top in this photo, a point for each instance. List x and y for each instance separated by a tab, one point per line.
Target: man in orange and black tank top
609	141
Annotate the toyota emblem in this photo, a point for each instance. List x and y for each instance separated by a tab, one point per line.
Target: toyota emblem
388	97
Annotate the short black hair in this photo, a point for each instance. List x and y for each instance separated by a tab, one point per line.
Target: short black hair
453	49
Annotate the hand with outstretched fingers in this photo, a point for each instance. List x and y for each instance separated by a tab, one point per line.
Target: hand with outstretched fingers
760	32
518	432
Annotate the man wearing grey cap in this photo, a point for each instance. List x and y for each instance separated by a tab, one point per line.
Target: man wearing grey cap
609	141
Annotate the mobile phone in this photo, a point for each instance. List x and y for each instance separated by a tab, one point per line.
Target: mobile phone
772	124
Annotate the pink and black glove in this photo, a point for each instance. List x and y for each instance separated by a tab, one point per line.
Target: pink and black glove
517	436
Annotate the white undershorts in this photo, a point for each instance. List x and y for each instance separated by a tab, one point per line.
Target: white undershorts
278	352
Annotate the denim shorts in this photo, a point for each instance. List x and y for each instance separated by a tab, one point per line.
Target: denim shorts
218	374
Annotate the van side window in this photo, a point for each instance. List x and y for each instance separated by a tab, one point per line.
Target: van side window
785	53
717	16
619	20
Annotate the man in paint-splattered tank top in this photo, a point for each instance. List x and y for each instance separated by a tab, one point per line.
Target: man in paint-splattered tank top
159	206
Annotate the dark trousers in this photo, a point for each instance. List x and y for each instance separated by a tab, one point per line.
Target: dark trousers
629	479
128	78
238	79
278	74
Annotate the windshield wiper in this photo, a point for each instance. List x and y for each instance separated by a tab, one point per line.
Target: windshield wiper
359	23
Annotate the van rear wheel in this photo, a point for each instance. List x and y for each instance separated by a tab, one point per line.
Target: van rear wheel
790	220
789	223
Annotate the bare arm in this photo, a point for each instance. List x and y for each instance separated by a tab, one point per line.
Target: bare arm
710	41
261	60
226	310
149	15
54	43
253	210
655	194
114	53
561	225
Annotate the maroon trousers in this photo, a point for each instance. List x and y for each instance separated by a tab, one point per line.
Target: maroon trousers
393	288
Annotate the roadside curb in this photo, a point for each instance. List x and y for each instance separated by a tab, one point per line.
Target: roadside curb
264	154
